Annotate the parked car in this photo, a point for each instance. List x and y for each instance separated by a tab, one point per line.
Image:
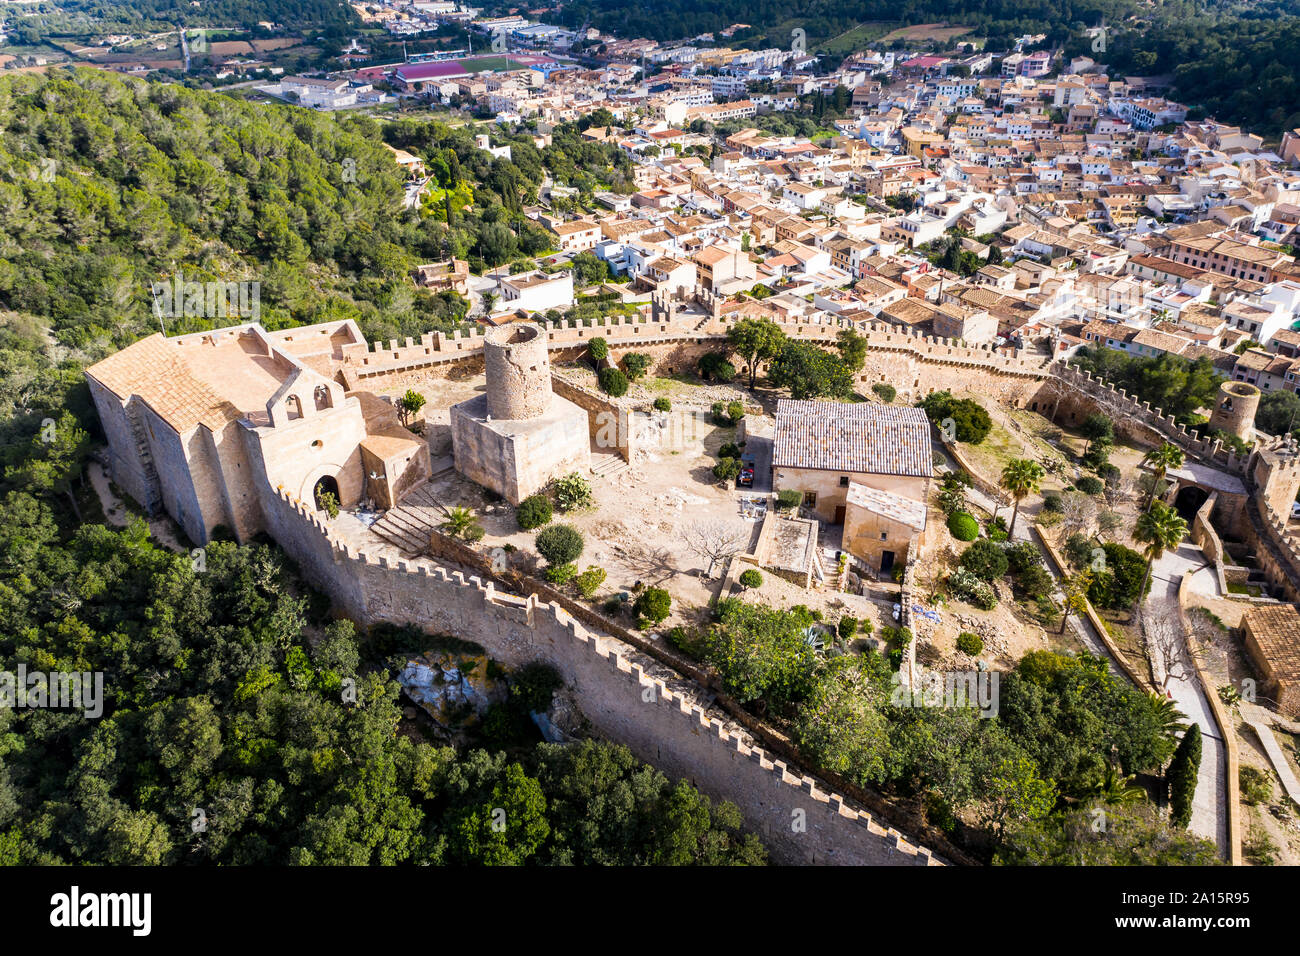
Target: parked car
746	477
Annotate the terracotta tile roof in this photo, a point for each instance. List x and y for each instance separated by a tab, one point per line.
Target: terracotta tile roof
866	438
153	369
1277	632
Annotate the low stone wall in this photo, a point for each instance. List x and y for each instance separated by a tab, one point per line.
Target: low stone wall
606	419
624	694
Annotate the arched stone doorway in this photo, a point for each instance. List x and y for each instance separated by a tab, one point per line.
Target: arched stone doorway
326	484
1188	501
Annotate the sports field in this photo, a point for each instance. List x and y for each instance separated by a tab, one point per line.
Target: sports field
495	64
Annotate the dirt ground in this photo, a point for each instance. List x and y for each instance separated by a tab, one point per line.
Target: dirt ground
635	528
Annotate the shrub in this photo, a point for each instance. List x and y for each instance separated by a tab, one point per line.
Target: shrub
884	391
598	348
1078	550
963	526
971	423
613	382
1098	456
847	627
589	581
729	450
1034	582
572	492
1256	787
735	411
685	641
726	469
899	637
952	499
561	573
867	626
1052	502
329	503
750	578
1089	485
969	643
559	543
654	604
973	590
1117	586
534	685
636	364
714	366
985	560
662	404
788	498
533	512
474	533
720	416
1021	557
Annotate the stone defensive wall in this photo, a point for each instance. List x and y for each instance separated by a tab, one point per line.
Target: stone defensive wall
361	363
1274	549
1139	420
625	695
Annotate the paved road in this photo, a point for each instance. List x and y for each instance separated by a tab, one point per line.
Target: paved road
1209	805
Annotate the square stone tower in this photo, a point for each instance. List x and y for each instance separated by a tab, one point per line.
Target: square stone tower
519	435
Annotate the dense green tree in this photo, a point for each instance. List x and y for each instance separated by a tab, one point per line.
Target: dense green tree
809	371
756	340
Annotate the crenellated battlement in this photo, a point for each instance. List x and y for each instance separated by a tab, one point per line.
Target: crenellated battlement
620	694
1125	406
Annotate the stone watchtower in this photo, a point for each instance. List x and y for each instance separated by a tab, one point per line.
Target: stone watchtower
519	434
1234	409
518	371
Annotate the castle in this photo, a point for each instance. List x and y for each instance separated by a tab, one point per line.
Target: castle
246	429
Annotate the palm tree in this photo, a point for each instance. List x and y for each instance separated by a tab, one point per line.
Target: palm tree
1161	529
1160	460
1168	715
1020	478
458	521
1117	787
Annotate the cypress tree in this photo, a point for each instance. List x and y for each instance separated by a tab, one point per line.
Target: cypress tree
1181	778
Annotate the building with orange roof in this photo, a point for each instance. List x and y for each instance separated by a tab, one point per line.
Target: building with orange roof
210	427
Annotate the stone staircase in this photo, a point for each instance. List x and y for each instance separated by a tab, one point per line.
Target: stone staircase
153	487
607	466
408	526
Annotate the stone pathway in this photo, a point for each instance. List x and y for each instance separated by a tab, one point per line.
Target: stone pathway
1209	804
117	515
